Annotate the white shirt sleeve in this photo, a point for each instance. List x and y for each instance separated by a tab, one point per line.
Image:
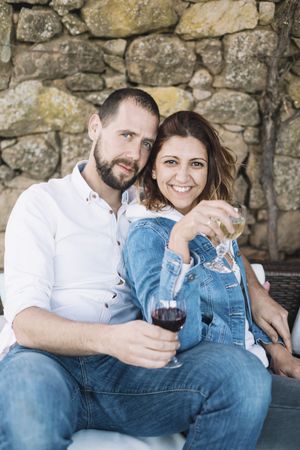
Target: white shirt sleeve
29	253
185	268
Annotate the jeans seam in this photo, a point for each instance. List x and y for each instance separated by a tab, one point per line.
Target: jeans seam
283	407
76	389
74	394
85	390
168	391
189	443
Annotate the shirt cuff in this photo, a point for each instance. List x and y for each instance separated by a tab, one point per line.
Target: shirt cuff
184	269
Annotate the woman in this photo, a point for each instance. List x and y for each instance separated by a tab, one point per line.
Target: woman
187	184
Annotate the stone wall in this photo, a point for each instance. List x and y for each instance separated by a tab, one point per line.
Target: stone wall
59	59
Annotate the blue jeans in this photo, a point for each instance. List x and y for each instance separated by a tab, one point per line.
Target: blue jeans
281	429
220	395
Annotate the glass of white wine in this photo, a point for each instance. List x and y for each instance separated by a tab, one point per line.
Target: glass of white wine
217	265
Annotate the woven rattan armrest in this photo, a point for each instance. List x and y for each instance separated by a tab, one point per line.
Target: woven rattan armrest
284	278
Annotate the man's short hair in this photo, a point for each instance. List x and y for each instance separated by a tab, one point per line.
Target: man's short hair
111	105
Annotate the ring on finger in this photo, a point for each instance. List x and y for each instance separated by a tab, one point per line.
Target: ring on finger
209	222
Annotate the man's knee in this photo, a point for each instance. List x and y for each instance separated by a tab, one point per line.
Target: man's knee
36	403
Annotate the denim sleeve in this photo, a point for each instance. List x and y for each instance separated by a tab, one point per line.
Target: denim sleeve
152	271
261	336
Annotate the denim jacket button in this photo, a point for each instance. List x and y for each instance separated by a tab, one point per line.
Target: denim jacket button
191	277
238	253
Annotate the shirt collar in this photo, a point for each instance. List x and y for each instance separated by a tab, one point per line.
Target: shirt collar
86	193
79	182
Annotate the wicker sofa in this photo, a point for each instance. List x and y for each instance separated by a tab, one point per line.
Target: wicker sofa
285	288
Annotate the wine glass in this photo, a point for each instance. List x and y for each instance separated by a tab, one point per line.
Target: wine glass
171	315
217	265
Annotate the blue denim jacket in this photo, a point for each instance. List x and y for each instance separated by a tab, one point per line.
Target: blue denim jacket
217	304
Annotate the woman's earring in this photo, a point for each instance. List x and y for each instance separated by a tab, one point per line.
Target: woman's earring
153	176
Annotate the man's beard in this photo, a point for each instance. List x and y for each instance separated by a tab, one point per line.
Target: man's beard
105	170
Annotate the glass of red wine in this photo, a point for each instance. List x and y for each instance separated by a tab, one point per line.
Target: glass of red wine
171	315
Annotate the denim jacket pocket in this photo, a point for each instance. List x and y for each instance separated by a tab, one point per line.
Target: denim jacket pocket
214	329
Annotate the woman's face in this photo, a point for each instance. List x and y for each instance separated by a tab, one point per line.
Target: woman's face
180	170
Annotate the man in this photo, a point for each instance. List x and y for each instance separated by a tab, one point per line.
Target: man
82	359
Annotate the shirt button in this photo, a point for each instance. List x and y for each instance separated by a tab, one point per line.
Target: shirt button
191	277
111	211
106	305
118	242
114	296
94	196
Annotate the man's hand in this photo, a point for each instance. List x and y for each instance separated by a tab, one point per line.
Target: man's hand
138	343
271	317
267	313
141	344
283	363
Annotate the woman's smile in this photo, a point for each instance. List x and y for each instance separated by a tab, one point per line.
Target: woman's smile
181	189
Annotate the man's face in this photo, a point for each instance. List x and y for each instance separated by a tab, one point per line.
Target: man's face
124	144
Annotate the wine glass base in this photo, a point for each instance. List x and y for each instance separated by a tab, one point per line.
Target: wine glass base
216	266
173	364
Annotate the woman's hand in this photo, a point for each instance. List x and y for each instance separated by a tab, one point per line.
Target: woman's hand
202	219
283	363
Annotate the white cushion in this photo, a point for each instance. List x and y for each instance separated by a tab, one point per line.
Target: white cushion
2	322
296	335
109	440
2	287
259	272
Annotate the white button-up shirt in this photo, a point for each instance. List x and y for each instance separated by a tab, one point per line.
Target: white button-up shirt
62	252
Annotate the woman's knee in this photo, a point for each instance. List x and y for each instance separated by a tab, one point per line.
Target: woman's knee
251	384
236	374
